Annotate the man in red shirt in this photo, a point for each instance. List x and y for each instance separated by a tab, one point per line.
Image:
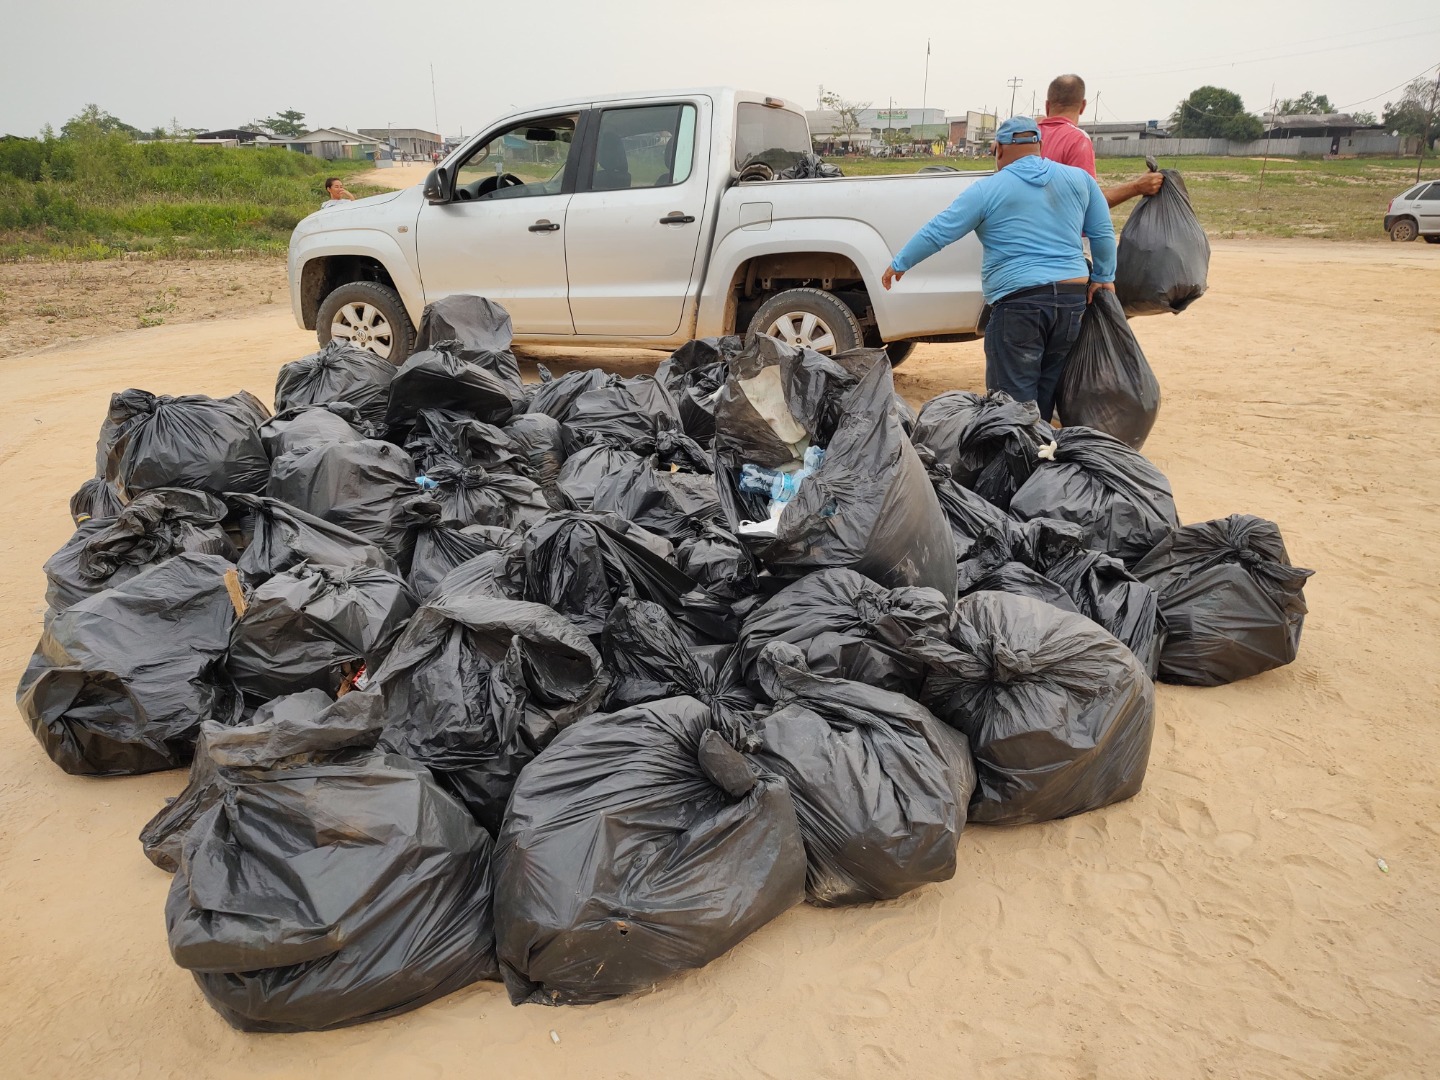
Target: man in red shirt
1063	141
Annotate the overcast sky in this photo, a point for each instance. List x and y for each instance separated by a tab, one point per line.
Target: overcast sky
367	64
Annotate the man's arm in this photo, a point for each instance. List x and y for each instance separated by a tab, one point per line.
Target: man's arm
1101	231
955	221
1149	184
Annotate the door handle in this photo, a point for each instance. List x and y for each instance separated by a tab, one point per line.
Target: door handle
545	225
675	217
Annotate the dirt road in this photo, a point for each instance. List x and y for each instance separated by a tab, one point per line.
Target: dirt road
1231	920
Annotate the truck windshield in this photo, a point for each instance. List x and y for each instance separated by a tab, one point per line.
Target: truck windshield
777	137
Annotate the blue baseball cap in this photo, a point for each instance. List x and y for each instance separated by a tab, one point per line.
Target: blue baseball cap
1018	130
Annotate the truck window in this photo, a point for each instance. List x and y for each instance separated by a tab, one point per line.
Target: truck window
645	146
777	137
533	152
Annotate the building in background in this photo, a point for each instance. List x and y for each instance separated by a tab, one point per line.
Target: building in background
412	142
895	127
1120	130
334	144
979	132
1314	126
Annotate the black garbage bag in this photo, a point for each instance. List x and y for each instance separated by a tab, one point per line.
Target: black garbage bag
557	397
809	167
479	327
1106	383
718	562
158	524
880	785
1233	604
210	444
989	442
537	440
438	378
584	472
1099	586
970	515
315	627
277	722
869	506
1163	260
444	437
307	426
1120	501
359	486
649	658
991	566
1058	712
693	375
338	372
95	498
439	546
845	626
470	495
657	494
476	687
499	573
113	689
279	536
638	844
327	883
582	564
621	413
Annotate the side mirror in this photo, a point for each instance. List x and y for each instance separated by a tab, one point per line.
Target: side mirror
435	186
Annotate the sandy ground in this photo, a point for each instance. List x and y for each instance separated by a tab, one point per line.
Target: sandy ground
1230	920
45	303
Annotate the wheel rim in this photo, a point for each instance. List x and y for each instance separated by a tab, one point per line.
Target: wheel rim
1404	231
364	326
803	329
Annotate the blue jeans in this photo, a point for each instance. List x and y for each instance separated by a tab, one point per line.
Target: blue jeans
1026	343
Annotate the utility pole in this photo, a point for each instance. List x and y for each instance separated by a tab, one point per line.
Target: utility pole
434	103
1095	117
925	91
1274	110
1429	119
1032	104
1014	84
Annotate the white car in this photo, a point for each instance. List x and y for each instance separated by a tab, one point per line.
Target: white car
641	221
1415	213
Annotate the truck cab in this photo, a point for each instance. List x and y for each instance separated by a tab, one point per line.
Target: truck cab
639	220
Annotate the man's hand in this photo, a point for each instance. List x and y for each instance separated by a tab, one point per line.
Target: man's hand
1097	286
890	276
1150	183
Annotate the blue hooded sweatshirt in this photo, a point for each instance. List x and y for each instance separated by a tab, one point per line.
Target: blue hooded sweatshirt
1030	217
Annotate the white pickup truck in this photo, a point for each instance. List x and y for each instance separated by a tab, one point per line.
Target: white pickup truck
641	220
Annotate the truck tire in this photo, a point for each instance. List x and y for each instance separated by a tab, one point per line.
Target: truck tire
370	316
1403	230
810	318
898	351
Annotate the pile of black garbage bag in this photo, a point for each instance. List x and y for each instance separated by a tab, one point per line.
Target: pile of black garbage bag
574	685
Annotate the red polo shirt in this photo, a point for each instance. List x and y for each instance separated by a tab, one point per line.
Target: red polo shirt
1062	141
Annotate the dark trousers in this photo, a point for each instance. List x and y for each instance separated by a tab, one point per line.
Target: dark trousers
1026	342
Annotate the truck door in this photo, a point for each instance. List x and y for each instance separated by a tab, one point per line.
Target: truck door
1427	209
634	225
501	235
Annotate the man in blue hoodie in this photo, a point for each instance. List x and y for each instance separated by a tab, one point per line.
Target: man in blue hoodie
1030	217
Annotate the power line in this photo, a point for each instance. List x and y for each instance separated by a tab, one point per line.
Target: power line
1392	89
1266	59
1228	58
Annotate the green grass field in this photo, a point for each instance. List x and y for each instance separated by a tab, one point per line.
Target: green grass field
1329	200
100	197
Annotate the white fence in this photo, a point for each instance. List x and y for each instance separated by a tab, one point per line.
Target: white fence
1360	144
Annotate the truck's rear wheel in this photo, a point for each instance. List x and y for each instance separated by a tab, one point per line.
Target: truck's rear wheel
809	319
898	351
369	316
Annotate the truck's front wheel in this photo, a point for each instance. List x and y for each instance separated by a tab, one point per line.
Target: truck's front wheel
810	319
370	316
